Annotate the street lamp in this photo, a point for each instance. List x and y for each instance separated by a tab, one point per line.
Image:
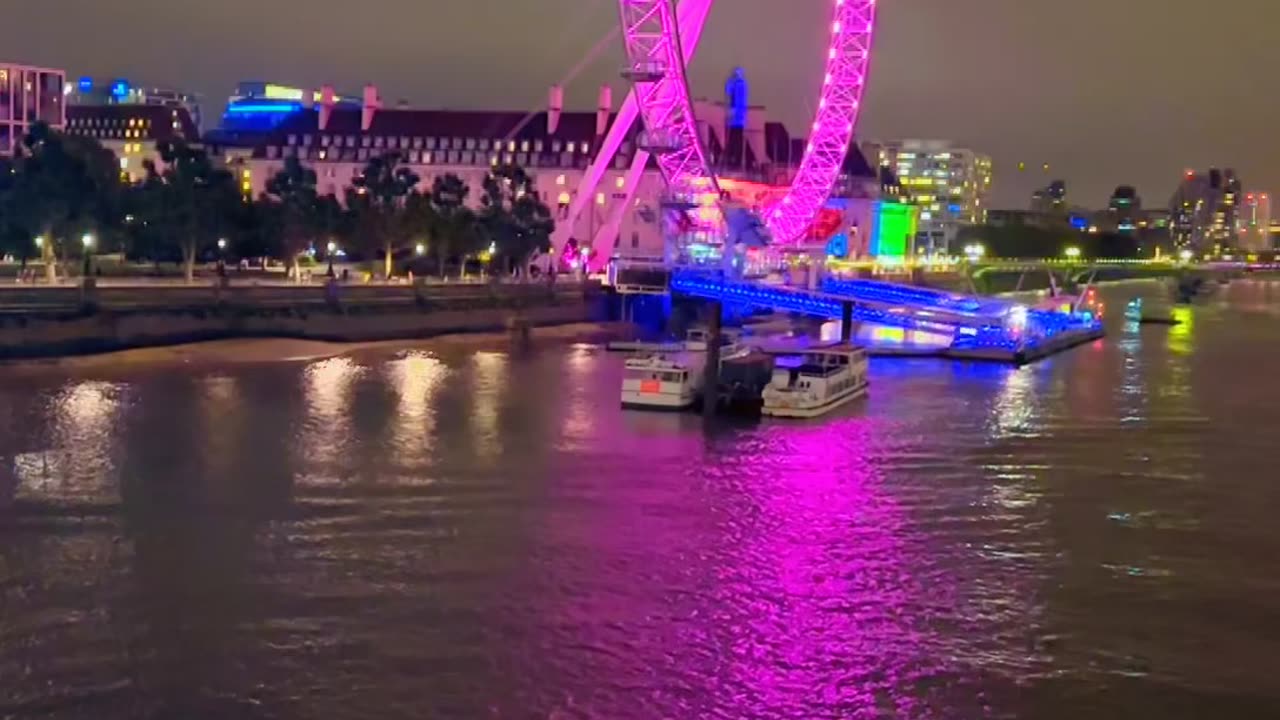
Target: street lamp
87	241
222	243
419	249
974	252
331	249
1073	252
1186	255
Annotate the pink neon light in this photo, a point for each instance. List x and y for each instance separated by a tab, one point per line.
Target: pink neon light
651	37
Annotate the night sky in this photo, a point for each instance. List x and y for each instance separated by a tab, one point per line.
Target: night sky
1105	91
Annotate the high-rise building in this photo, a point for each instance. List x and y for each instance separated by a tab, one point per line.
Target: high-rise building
1204	210
1124	210
1051	200
1255	222
29	95
949	184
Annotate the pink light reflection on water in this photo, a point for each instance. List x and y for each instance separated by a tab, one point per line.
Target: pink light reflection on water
823	603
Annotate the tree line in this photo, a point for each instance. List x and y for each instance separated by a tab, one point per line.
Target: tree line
62	198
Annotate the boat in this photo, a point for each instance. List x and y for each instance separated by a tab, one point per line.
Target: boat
674	380
662	381
816	381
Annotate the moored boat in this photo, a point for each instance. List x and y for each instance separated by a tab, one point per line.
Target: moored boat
816	381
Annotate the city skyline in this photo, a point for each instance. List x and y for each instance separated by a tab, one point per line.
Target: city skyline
1009	80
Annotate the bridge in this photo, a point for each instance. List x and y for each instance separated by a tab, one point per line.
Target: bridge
981	328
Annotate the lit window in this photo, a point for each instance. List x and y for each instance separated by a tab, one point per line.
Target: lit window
599	198
524	146
560	179
511	146
569	147
621	182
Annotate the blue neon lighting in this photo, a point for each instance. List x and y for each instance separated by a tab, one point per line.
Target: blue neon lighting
120	88
1079	223
263	108
987	331
86	84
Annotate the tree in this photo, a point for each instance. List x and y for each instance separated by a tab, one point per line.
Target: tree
60	187
189	201
514	218
292	192
453	230
377	200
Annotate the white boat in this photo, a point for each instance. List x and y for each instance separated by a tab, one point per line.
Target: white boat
662	381
673	380
816	381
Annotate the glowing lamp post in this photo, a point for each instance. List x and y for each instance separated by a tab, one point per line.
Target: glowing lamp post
1185	256
975	252
1072	253
87	241
330	250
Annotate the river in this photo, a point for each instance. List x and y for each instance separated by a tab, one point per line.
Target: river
468	533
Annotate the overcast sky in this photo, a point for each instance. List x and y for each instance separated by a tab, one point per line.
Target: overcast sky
1105	91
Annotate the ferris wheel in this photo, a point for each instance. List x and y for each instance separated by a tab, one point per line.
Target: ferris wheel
660	38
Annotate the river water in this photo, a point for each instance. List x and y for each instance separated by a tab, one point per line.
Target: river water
467	533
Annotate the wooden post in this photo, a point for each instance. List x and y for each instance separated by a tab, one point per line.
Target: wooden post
711	376
846	321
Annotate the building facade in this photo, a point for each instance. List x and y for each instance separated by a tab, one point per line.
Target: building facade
338	137
120	91
133	132
29	95
948	184
1204	210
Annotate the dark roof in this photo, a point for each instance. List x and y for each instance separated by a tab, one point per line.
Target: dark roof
392	122
150	122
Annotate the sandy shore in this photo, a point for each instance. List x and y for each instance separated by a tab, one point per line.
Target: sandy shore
272	350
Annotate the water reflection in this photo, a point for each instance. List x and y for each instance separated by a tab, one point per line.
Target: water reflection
417	378
489	391
79	459
481	535
327	432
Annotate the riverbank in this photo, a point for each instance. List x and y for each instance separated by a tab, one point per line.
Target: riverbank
343	316
250	351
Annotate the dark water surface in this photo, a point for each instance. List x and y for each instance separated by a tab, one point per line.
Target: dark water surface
476	535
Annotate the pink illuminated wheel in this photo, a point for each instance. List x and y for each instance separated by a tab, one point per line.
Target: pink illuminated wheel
656	69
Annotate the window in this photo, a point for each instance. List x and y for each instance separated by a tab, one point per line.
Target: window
378	141
570	147
431	143
365	142
555	146
511	146
524	146
471	143
537	146
293	140
306	140
560	179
